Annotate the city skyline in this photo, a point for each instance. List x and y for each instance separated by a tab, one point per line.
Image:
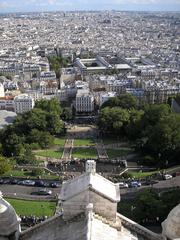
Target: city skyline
70	5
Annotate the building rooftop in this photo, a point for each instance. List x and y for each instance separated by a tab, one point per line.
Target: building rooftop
6	118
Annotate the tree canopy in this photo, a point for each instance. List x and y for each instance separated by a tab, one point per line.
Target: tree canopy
155	128
35	128
126	101
5	166
150	207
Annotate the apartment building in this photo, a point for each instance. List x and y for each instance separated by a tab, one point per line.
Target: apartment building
84	101
48	76
7	103
1	90
23	103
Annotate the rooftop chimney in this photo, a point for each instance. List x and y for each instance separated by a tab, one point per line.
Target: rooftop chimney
91	166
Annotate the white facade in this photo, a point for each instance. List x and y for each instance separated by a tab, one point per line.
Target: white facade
23	103
1	90
48	76
84	101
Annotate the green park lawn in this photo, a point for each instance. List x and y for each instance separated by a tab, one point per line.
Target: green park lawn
59	141
36	208
84	153
50	153
28	174
115	153
141	174
83	142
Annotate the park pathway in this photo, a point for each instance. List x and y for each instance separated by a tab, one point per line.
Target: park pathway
68	146
102	154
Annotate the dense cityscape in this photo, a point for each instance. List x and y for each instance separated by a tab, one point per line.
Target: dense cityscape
90	125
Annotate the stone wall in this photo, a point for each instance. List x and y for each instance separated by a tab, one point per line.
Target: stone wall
78	203
58	229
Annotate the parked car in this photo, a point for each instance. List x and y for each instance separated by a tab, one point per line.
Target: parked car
123	185
54	185
1	181
134	184
167	176
13	181
28	182
40	183
6	181
44	191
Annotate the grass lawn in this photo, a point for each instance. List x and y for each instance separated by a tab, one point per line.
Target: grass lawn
115	153
28	174
59	141
142	174
84	153
83	142
37	208
50	153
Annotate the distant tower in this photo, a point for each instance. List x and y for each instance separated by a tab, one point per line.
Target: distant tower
91	166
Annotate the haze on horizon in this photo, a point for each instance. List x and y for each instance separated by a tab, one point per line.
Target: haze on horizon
70	5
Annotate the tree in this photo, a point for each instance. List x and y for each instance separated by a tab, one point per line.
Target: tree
44	139
35	119
67	114
49	106
164	139
113	120
126	101
4	165
37	172
134	127
56	63
27	157
12	145
148	206
54	124
154	113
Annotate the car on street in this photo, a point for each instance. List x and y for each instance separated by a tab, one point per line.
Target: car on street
13	181
54	185
40	183
6	181
123	185
44	191
167	176
1	181
27	182
134	184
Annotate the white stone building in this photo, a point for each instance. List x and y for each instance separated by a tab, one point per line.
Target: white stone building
23	103
89	212
84	101
48	76
1	90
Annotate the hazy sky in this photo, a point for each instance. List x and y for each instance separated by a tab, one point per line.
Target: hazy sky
50	5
